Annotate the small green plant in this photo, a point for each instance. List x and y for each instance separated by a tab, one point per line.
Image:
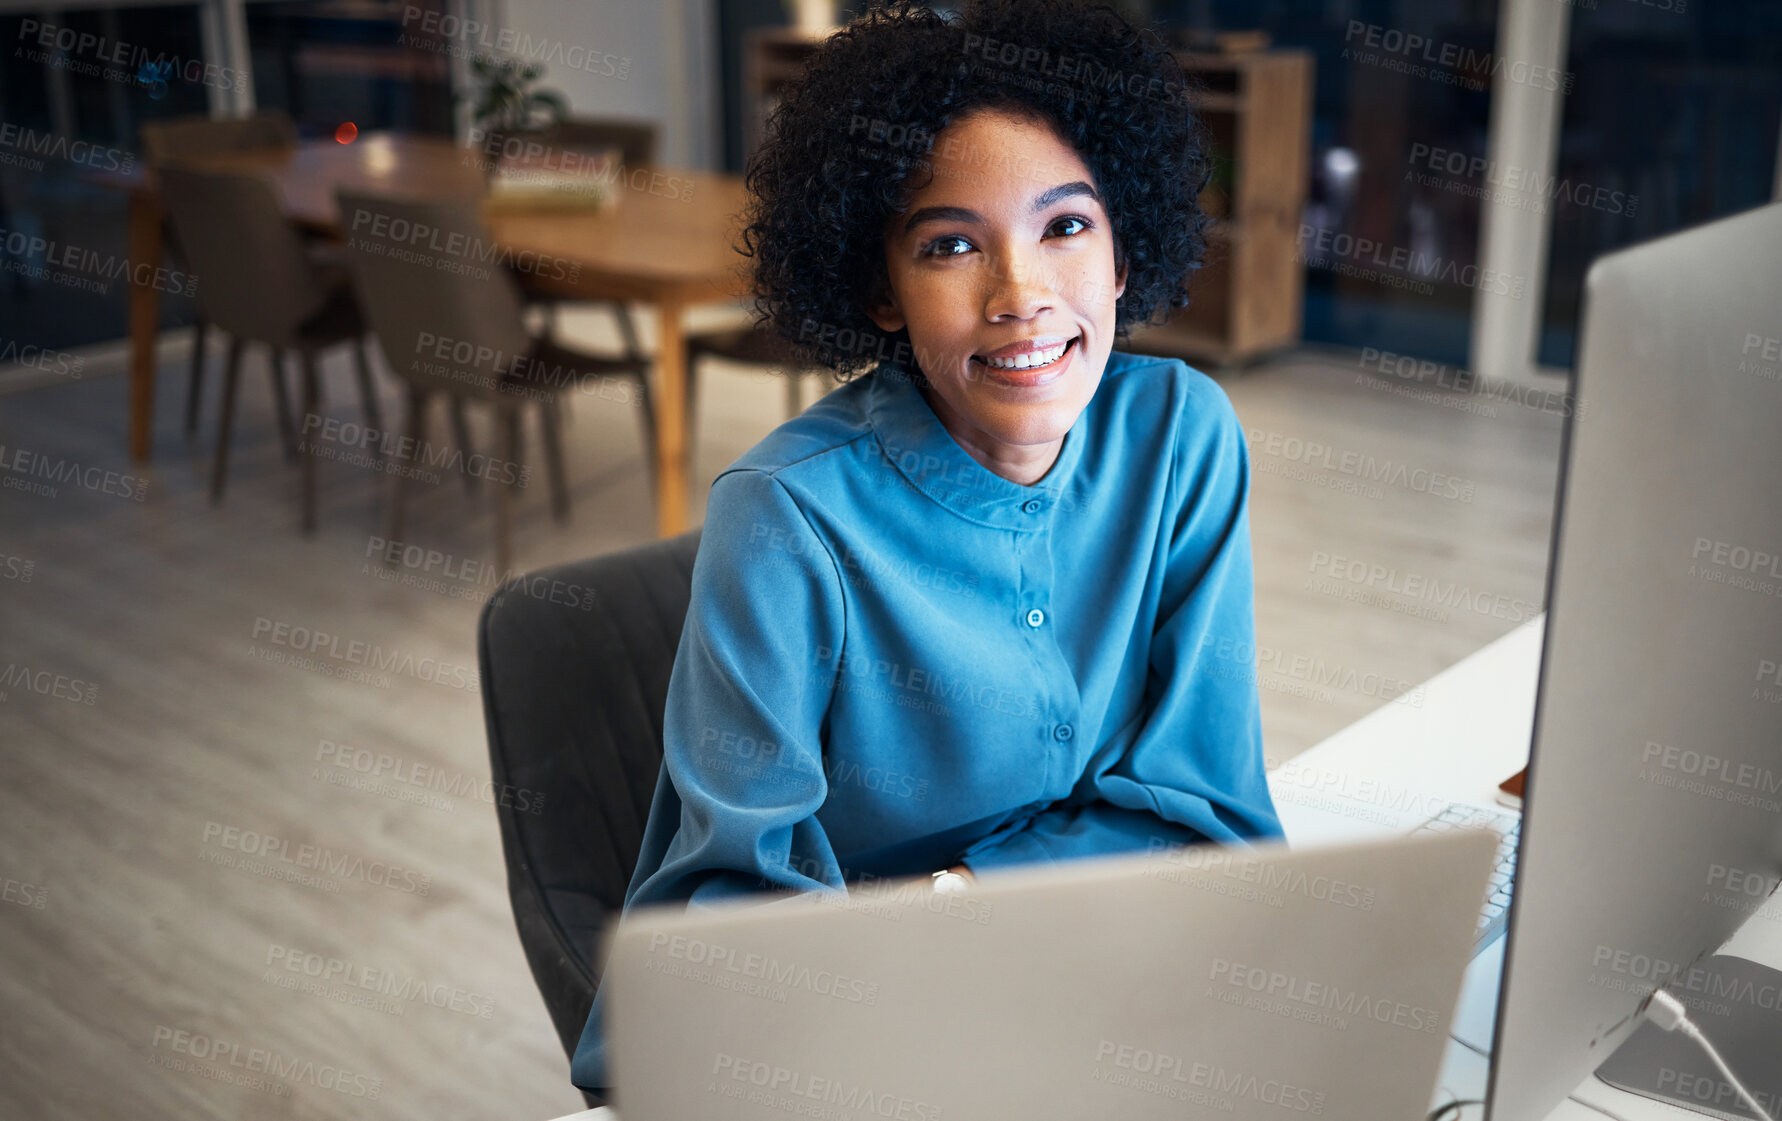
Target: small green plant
505	99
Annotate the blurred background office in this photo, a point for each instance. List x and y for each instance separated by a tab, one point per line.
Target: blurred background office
258	479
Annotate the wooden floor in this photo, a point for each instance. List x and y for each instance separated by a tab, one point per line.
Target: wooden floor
144	952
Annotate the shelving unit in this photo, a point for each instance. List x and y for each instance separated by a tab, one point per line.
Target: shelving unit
1246	299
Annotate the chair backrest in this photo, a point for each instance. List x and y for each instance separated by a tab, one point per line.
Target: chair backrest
199	135
575	662
436	289
253	277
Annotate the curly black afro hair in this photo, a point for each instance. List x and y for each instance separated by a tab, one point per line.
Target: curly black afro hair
848	145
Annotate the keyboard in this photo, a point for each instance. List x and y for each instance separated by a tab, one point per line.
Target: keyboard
1495	914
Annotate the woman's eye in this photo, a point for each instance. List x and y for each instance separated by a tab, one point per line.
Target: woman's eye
950	246
1069	220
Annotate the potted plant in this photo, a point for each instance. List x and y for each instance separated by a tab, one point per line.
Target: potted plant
506	102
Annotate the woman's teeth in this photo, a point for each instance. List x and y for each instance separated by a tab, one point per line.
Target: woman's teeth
1029	360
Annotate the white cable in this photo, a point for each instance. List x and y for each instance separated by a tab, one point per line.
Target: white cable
1669	1014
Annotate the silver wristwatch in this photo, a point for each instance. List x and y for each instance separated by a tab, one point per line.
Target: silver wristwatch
950	883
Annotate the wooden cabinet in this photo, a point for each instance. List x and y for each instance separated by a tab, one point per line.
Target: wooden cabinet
1247	298
773	58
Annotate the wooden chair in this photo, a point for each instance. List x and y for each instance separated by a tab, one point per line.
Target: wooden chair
491	359
181	137
636	142
259	282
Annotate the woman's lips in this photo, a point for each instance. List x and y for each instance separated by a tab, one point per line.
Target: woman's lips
1032	375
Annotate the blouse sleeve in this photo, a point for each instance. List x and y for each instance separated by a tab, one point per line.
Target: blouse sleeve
742	754
742	776
1194	772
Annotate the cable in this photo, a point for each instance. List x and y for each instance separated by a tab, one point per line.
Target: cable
1480	1051
1669	1014
1454	1106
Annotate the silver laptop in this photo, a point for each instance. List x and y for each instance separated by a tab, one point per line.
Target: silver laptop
1256	983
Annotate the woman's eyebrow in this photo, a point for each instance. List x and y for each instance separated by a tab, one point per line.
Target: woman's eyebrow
960	214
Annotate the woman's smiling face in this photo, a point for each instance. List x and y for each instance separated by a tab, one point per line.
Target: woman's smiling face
1002	269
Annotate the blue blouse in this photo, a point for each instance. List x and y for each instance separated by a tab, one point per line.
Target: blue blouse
896	660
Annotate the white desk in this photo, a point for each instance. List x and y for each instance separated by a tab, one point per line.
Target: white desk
1394	768
1389	771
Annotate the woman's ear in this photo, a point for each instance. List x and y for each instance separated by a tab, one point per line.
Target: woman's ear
884	310
1120	280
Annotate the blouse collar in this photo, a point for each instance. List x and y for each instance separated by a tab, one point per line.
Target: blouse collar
915	442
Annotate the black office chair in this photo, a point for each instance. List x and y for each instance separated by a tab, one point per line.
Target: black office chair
573	697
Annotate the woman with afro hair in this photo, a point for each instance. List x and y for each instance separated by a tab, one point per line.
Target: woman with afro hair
989	602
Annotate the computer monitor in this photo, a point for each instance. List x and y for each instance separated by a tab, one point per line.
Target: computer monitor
1652	824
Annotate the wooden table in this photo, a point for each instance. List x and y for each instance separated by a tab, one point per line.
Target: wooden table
668	242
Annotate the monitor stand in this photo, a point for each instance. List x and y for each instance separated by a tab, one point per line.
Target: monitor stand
1737	1004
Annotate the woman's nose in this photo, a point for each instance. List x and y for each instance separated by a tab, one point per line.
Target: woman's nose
1019	288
